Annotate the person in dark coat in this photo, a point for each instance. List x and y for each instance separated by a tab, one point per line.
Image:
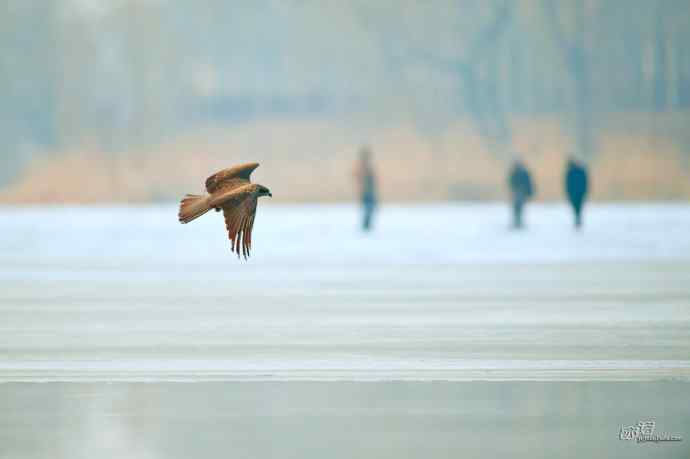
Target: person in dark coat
576	187
521	188
366	180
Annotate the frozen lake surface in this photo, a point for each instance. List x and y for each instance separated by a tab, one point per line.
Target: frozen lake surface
482	342
436	292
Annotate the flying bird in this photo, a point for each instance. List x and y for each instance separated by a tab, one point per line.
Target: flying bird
230	191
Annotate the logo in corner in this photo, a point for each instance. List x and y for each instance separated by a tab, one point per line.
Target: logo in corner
645	431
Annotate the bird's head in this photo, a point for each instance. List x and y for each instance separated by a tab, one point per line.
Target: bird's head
263	191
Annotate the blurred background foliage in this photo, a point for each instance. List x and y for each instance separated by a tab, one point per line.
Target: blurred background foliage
139	100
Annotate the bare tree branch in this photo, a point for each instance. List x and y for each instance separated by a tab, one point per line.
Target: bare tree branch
554	22
491	33
576	60
481	99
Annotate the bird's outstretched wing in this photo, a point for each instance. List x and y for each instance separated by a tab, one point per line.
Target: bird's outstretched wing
239	210
230	178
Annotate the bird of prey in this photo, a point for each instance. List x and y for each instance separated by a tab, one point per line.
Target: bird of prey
231	191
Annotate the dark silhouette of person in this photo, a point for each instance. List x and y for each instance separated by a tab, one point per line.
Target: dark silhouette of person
521	188
576	187
366	181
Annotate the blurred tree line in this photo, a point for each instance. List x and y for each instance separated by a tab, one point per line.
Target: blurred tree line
122	74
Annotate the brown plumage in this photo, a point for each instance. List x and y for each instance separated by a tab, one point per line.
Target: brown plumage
230	191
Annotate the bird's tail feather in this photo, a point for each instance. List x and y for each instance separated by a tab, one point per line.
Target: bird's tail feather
193	206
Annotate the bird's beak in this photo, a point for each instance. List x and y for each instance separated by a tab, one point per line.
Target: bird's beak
270	195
